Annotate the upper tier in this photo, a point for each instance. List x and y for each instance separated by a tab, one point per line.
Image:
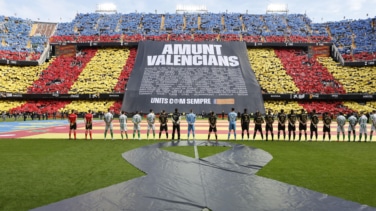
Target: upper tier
25	39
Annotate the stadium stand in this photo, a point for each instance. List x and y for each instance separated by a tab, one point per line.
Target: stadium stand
353	79
101	73
129	23
300	67
40	107
333	107
173	23
125	73
151	24
61	73
270	72
16	41
232	22
15	79
274	28
371	104
106	70
211	22
8	105
84	106
356	106
116	106
354	38
287	106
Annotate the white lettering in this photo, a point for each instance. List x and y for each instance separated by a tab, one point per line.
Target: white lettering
151	60
198	101
169	60
167	49
192	55
234	61
212	60
177	60
182	49
156	100
161	60
197	60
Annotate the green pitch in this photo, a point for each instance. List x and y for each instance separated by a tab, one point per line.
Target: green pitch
38	172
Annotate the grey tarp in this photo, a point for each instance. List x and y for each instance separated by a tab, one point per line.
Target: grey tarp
225	181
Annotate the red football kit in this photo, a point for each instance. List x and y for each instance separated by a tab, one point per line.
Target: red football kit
72	124
88	124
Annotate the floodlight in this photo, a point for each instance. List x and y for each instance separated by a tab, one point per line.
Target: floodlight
106	7
275	8
191	8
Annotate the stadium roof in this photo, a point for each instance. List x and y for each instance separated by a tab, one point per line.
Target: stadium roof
65	11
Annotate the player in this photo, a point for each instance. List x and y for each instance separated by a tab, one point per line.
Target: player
352	125
291	125
176	117
72	118
258	125
314	122
88	124
303	117
327	121
282	124
108	117
191	119
232	116
151	123
363	120
245	118
163	124
341	121
373	124
123	125
269	119
136	125
213	126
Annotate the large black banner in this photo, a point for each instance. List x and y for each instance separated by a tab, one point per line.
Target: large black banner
203	76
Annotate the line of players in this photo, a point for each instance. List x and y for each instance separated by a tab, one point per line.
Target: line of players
136	120
259	120
302	118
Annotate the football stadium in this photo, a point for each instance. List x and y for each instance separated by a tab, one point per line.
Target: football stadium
190	110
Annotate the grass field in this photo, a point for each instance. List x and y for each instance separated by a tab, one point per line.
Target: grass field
38	172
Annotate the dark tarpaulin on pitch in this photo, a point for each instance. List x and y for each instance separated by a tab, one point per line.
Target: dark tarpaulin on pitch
225	181
201	87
